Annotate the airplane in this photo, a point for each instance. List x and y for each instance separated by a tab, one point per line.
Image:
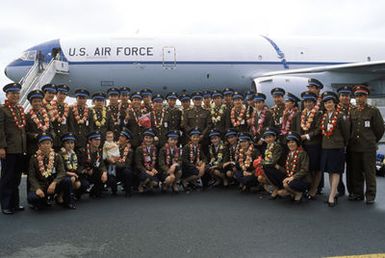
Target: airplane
191	63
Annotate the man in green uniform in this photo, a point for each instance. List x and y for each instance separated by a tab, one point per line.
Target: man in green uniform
59	114
114	111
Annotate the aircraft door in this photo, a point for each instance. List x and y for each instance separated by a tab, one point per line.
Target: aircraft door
169	57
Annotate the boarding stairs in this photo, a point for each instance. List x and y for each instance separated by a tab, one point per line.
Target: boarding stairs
37	77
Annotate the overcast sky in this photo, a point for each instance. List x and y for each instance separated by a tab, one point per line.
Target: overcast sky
24	23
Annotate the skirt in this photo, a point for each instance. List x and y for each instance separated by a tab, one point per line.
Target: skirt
333	161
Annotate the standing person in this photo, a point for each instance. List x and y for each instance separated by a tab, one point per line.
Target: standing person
49	95
260	119
146	161
335	136
308	126
289	118
207	100
228	98
185	105
246	154
40	59
345	108
158	122
114	111
173	114
219	113
47	177
79	119
170	162
147	99
238	113
13	148
100	118
367	131
124	104
59	114
217	156
92	168
279	106
250	104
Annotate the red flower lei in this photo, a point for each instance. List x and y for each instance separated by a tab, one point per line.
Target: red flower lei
237	120
156	122
55	115
126	150
333	119
45	171
288	115
307	121
291	165
37	121
151	157
20	124
198	155
83	119
114	115
245	163
276	110
169	162
88	152
261	121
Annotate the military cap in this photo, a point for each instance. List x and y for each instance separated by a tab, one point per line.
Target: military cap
231	132
206	94
124	91
157	98
216	93
259	97
94	135
250	95
361	89
173	134
194	131
277	92
35	94
99	96
136	95
149	132
44	137
344	90
172	95
294	136
146	92
126	133
184	97
62	88
270	131
82	93
237	95
49	87
68	137
12	87
315	82
113	91
196	95
214	132
307	95
291	97
328	95
244	137
228	91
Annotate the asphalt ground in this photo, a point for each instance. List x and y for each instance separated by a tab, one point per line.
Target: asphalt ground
211	223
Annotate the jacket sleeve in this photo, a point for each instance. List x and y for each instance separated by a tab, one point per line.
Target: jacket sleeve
139	160
59	166
378	125
34	182
344	124
3	142
316	129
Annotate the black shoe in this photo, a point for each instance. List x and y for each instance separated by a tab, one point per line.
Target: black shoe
355	197
332	204
370	201
7	211
19	208
70	206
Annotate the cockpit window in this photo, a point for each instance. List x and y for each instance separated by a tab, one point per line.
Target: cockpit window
28	55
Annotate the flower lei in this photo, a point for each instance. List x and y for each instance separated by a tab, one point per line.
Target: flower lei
291	163
192	158
88	153
237	120
306	121
123	157
269	153
219	155
233	152
216	113
157	123
115	113
288	115
47	105
44	127
245	163
45	171
345	108
20	124
55	114
83	119
276	110
261	121
70	160
329	131
150	156
99	122
175	159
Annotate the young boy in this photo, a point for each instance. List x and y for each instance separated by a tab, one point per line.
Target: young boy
110	153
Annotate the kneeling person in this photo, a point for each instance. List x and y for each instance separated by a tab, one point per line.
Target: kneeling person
217	156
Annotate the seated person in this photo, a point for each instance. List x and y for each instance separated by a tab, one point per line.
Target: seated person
217	156
231	136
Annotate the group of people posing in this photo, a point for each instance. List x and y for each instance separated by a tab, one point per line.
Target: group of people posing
146	142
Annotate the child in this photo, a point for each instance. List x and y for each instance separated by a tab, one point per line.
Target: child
111	153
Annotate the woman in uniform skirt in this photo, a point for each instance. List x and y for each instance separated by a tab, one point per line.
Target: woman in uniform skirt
335	135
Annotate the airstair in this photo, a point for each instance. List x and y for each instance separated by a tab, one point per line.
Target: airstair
39	76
